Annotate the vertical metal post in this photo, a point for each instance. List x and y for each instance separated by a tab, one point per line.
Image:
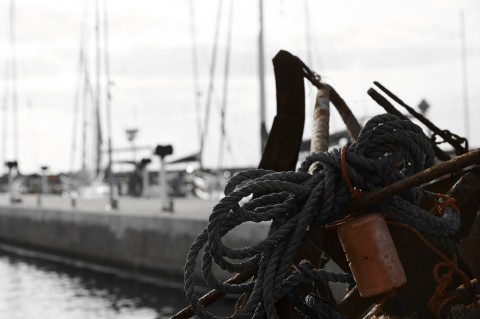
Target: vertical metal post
44	180
10	184
113	200
145	182
73	200
43	185
12	165
162	151
131	135
163	185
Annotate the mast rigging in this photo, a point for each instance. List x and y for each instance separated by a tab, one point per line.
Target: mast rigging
98	129
195	70
225	86
10	93
211	83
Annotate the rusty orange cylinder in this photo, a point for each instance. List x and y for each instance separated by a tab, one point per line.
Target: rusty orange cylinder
372	256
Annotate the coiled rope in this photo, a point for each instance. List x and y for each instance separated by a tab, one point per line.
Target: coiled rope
387	150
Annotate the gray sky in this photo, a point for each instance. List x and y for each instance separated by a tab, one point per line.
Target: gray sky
412	47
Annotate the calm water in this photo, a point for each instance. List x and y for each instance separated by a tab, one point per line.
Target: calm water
35	289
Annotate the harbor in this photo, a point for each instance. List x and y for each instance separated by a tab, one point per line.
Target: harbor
280	160
96	262
138	241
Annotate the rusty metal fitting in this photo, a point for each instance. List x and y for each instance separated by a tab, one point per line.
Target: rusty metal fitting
372	255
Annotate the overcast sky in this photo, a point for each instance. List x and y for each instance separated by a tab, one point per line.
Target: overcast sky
412	47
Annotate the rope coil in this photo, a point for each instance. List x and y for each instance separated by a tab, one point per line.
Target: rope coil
387	150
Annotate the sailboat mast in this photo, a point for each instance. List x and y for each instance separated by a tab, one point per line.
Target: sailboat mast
10	88
261	73
211	83
86	86
464	75
113	202
223	110
195	69
6	92
308	34
97	91
79	98
14	79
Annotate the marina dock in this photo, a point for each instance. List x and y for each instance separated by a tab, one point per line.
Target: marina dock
136	241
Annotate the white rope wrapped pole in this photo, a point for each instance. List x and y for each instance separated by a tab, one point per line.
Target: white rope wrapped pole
321	119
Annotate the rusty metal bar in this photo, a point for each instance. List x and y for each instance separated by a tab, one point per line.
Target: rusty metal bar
453	165
348	118
383	102
213	295
351	122
443	134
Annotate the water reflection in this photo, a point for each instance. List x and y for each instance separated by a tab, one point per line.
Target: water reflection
35	289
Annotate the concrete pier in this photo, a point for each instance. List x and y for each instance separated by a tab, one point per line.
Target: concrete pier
138	239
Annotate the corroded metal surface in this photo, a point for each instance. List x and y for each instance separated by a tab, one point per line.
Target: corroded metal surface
425	176
460	144
383	102
371	254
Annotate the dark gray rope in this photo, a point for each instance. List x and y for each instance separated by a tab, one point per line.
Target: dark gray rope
318	309
388	149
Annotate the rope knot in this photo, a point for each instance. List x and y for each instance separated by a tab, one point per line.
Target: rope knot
444	201
441	297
